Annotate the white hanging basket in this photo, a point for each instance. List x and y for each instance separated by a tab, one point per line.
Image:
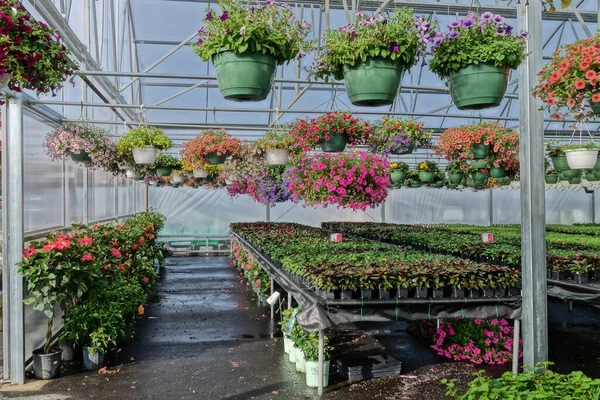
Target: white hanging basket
277	156
153	183
581	158
200	173
178	179
515	185
4	79
130	173
312	373
145	155
229	182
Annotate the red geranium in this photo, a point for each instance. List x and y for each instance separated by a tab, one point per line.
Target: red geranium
219	142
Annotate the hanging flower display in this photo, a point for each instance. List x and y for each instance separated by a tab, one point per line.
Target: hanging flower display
475	55
372	54
570	79
83	143
356	181
32	56
397	136
331	131
210	147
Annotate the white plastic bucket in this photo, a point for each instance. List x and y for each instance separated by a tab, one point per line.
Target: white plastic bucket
292	352
286	344
200	173
277	156
178	179
582	158
300	362
312	373
145	155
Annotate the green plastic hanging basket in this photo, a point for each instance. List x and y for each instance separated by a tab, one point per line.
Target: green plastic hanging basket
164	171
245	77
595	106
214	158
478	86
551	178
560	162
456	177
335	144
374	82
81	157
479	164
570	173
497	172
480	151
478	177
426	176
398	176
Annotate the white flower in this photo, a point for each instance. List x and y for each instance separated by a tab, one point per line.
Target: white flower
243	30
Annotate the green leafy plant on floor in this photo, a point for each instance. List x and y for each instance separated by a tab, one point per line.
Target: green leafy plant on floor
530	385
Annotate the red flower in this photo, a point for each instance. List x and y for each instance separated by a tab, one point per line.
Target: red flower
86	240
596	98
29	251
579	84
142	240
87	257
62	244
122	267
120	226
116	252
145	279
49	247
135	247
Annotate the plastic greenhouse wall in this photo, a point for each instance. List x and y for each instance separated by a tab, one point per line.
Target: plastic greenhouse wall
199	211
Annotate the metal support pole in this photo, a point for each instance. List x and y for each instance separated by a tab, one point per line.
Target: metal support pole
491	206
5	277
146	198
289	300
268	213
383	211
533	206
13	240
85	195
321	362
516	338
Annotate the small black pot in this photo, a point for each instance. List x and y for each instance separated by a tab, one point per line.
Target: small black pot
500	292
514	292
581	278
402	293
421	293
366	294
489	292
384	293
474	293
347	294
437	293
327	295
456	292
559	276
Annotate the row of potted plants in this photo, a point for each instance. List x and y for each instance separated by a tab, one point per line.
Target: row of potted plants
359	268
566	259
100	277
246	43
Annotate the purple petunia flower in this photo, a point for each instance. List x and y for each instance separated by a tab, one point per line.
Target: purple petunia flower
394	48
500	31
499	19
437	41
466	23
224	16
454	25
486	16
523	34
271	2
209	16
453	35
508	29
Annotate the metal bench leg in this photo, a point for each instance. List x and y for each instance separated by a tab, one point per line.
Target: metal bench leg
272	305
516	337
321	362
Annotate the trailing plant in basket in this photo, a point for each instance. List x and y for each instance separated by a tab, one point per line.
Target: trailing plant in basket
309	133
217	142
74	139
357	181
277	139
428	166
32	53
141	137
399	166
400	37
394	135
569	80
266	29
167	161
477	39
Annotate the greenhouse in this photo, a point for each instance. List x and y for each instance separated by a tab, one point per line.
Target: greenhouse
340	199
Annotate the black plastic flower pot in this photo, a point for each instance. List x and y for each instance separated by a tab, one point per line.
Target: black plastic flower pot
456	292
514	292
474	293
421	293
347	294
500	292
489	292
402	293
559	276
437	293
46	366
384	293
327	295
366	294
581	278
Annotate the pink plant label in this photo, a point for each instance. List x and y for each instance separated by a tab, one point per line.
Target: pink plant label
487	238
335	237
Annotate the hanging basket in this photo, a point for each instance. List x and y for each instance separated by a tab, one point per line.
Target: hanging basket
478	177
277	156
200	173
373	83
178	179
497	172
214	158
552	178
480	151
164	171
426	176
398	176
479	164
590	176
335	144
144	155
560	162
569	174
456	177
81	157
595	106
410	149
581	158
245	77
478	86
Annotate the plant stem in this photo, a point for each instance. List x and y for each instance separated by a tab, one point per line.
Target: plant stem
49	332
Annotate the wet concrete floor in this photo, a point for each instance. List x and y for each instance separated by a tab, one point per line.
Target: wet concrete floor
206	337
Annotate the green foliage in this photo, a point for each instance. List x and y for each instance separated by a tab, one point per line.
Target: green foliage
142	136
167	161
266	29
580	146
539	383
310	347
399	166
471	44
394	37
456	167
277	139
428	166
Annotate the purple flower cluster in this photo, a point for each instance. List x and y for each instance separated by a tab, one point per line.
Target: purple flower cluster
271	190
487	23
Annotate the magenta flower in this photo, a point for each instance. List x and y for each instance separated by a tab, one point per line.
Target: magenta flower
394	48
224	16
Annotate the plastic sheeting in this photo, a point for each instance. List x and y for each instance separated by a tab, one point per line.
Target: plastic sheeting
203	211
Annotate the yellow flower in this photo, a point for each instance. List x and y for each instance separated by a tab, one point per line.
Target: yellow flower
423	165
394	165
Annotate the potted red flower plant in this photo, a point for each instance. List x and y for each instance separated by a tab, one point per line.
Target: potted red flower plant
210	147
